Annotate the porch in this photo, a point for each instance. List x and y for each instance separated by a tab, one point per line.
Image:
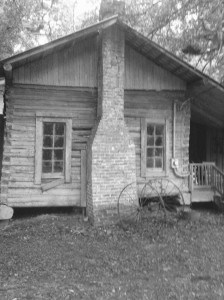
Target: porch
206	182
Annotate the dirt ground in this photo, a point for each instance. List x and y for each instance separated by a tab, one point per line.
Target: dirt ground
59	256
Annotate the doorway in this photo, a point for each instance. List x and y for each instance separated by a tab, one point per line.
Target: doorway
197	147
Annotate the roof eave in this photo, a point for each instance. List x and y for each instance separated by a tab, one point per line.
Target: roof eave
19	58
201	76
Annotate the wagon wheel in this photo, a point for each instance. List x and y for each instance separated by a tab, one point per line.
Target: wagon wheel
129	208
139	199
151	202
170	193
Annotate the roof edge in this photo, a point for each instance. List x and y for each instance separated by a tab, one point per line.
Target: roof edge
63	40
172	56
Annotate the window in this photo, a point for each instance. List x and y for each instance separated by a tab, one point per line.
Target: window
153	147
53	148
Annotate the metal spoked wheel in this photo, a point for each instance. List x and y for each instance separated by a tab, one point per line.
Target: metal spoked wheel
171	195
152	203
138	200
129	208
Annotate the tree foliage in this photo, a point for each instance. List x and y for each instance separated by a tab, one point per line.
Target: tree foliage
27	23
193	29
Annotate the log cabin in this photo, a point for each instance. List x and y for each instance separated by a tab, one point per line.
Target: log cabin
91	112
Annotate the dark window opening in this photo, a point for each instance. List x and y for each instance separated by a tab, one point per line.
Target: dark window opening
53	147
155	146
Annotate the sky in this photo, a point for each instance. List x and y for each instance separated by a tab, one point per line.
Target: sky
83	6
80	8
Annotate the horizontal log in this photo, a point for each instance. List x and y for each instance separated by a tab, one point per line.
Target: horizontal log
45	201
22	161
22	177
24	144
39	195
50	88
62	192
24	192
21	152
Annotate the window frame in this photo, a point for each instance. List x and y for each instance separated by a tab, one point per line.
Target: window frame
52	149
59	118
149	172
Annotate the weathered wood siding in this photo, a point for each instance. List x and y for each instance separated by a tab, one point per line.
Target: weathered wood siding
159	106
72	66
2	125
18	188
143	74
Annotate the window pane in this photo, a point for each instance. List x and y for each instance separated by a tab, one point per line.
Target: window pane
58	154
59	128
150	162
150	141
47	167
159	141
150	152
47	154
47	142
159	152
150	129
58	166
53	147
158	162
155	146
159	129
59	142
48	128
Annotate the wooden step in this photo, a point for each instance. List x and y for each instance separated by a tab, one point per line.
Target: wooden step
202	195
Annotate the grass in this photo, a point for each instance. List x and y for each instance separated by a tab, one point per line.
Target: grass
58	256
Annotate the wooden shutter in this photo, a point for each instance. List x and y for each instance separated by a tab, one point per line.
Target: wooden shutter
38	150
143	147
68	151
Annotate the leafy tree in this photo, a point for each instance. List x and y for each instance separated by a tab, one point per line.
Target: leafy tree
27	23
193	29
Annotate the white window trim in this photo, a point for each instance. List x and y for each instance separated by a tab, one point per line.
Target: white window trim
44	117
149	172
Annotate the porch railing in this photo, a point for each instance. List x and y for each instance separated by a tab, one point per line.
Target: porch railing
201	174
206	175
218	181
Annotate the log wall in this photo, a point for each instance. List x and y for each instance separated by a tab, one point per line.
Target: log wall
23	101
159	106
18	188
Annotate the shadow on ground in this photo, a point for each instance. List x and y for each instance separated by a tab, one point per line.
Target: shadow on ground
206	206
38	211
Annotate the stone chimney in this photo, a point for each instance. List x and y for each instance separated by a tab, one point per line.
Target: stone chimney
109	8
111	155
